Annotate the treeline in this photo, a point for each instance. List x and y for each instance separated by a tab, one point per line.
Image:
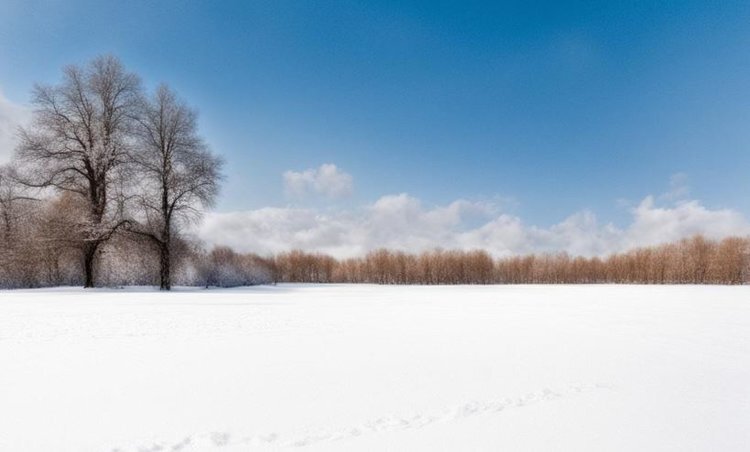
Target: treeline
691	261
40	249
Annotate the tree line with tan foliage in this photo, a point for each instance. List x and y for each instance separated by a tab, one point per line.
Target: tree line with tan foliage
691	261
41	243
41	247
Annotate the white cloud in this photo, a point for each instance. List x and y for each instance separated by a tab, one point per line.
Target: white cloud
11	116
403	222
652	224
327	180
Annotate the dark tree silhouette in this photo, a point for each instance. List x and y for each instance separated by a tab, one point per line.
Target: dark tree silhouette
178	173
79	142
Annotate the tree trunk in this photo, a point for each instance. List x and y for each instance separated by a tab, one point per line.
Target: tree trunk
89	254
165	276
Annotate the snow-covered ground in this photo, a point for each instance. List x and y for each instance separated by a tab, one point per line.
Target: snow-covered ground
376	368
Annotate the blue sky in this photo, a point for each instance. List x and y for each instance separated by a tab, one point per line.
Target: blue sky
543	109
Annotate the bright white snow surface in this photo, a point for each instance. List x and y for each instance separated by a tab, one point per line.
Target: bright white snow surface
347	367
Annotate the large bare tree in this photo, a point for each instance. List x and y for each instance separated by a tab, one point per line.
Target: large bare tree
178	173
78	142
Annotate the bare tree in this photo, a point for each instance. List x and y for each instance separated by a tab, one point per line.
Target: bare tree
78	143
179	174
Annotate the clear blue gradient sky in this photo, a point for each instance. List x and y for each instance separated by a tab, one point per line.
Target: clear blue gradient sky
559	106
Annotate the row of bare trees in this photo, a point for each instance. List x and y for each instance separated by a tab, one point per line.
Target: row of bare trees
103	162
691	261
39	241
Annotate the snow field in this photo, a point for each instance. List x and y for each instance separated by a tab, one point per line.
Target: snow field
359	367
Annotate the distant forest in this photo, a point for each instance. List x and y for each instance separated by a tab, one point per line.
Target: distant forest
691	261
130	260
107	179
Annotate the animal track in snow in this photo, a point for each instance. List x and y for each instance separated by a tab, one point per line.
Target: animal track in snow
378	425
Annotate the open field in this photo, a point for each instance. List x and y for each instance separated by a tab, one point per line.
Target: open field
346	367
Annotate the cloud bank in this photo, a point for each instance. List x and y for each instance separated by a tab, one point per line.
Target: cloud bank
327	180
402	222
